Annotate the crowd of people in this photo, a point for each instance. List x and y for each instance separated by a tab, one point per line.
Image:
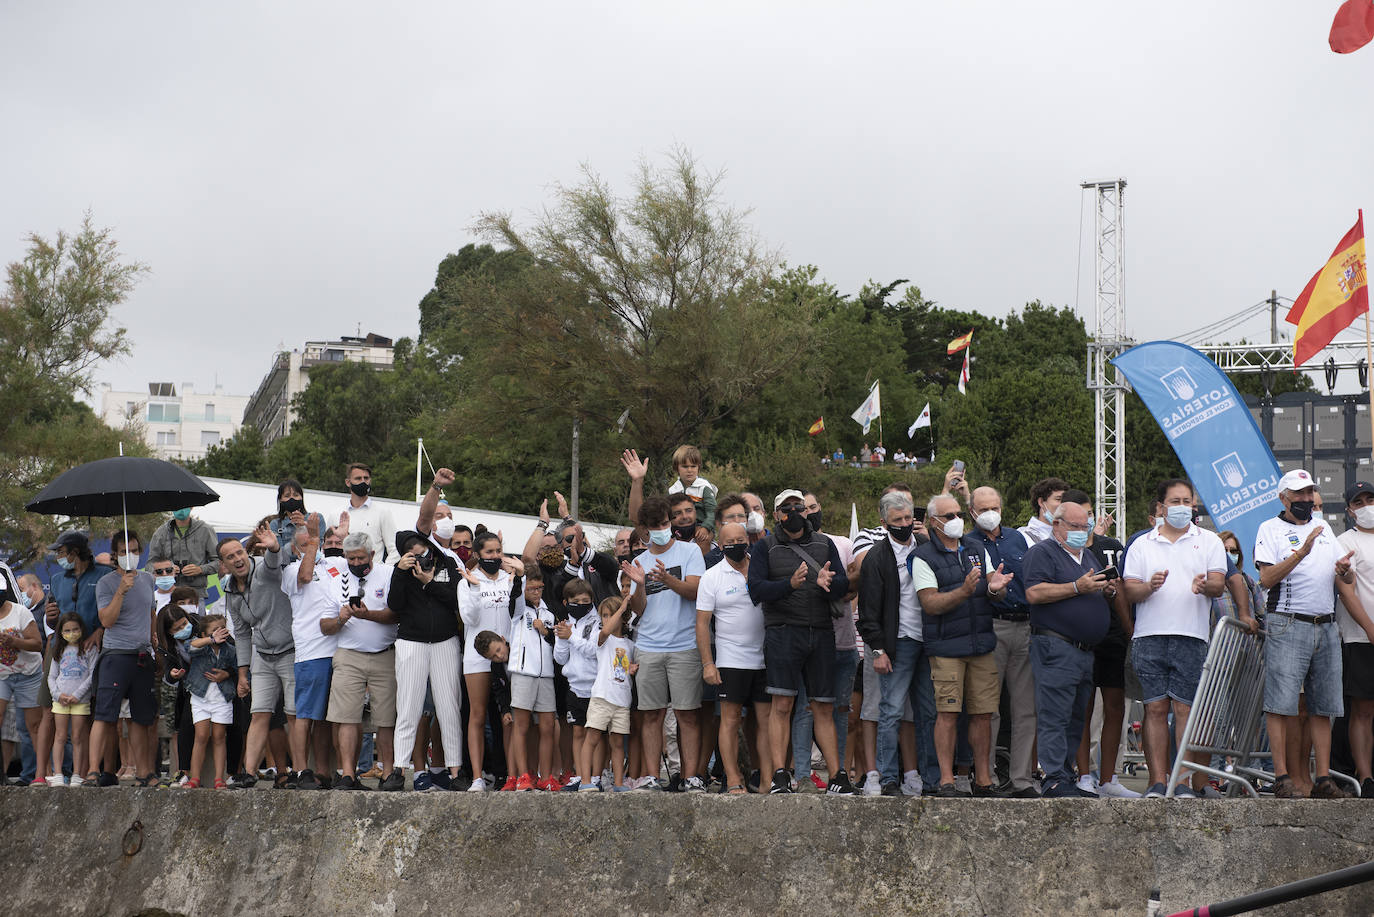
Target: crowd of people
722	640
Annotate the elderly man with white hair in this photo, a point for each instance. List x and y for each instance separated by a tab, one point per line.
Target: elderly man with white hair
365	660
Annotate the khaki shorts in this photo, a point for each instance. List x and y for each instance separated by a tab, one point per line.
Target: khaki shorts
607	717
666	678
357	673
968	683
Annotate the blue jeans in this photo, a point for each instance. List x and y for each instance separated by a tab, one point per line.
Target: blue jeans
28	758
910	676
1063	684
846	664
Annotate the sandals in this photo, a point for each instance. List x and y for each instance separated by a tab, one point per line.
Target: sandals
220	784
737	789
193	784
147	780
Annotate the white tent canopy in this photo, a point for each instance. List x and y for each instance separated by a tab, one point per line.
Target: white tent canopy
242	503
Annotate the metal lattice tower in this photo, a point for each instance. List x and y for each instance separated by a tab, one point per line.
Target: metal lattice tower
1109	339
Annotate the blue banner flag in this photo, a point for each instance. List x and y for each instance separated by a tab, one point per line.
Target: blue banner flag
1213	433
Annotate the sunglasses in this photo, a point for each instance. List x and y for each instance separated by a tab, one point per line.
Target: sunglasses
948	516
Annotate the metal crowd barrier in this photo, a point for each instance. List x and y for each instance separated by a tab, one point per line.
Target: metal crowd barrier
1227	716
1228	710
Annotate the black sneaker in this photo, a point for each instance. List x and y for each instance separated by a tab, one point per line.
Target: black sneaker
840	785
890	788
306	780
752	784
675	784
1367	788
985	792
242	781
345	782
782	782
396	780
1026	792
948	791
443	780
293	780
107	779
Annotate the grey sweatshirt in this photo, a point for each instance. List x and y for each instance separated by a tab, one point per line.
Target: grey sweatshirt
262	617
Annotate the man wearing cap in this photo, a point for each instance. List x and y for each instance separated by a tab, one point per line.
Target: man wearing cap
1357	630
796	575
1299	561
1172	573
75	590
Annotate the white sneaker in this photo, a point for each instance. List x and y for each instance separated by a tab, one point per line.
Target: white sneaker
912	785
55	780
1114	789
1087	783
77	780
596	782
695	785
873	784
479	785
961	783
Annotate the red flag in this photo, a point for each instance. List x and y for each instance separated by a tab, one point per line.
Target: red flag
1353	27
1333	298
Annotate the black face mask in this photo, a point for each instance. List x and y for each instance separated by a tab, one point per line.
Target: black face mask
901	533
1302	509
636	552
361	489
489	564
735	552
577	609
292	505
359	570
794	521
815	519
685	532
333	552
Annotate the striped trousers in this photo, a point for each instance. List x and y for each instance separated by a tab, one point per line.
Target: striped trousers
439	665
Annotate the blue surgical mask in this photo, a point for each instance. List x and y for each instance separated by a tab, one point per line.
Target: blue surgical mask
1179	517
25	600
661	537
184	633
165	583
1048	516
64	563
1076	539
1235	557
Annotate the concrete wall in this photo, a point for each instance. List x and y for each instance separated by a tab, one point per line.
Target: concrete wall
335	854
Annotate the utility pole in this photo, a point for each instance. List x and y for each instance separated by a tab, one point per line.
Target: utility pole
1274	317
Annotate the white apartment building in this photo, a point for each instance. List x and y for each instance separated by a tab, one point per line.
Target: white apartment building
178	423
269	409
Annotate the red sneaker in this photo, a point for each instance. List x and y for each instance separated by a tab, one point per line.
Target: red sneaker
550	783
525	783
509	785
820	784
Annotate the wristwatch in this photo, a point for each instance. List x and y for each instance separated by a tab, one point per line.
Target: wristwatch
880	653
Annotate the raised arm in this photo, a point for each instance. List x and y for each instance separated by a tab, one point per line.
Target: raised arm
424	524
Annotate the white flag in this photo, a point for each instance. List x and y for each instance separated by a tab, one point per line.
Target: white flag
620	424
853	521
922	421
963	374
869	410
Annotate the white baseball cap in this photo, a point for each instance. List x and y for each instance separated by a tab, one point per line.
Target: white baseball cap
777	501
1297	479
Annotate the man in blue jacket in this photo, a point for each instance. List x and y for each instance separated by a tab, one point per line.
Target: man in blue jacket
956	607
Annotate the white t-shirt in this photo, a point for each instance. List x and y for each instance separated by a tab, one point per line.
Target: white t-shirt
909	624
484	607
613	660
1310	587
1362	543
1175	608
669	623
317	599
161	599
724	592
374	589
14	661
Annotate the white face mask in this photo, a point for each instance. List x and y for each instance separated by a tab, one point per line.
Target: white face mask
954	528
128	561
1364	517
989	520
444	528
754	525
190	609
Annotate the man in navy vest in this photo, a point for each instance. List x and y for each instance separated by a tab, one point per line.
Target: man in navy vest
956	607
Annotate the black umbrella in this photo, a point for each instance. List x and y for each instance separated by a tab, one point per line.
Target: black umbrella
121	485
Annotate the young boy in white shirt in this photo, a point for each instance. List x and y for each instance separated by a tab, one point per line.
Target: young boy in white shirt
575	649
528	656
609	709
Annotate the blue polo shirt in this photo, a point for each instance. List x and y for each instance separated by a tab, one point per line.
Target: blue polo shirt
1081	617
78	594
1009	550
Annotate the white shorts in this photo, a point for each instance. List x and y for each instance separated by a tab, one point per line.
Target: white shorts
214	706
529	692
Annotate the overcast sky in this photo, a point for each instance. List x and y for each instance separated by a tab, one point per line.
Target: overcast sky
295	171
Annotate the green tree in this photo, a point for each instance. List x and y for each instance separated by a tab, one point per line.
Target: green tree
241	457
56	326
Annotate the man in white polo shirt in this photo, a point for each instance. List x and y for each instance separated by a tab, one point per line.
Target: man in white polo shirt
365	660
1171	575
1299	562
312	585
723	596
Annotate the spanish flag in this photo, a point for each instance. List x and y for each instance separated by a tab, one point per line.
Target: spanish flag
1332	299
960	343
817	427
